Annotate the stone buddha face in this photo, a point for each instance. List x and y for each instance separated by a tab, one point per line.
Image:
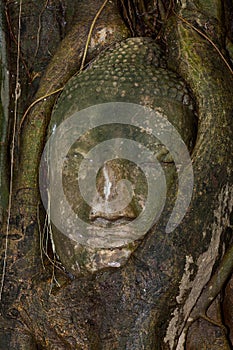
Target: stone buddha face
109	191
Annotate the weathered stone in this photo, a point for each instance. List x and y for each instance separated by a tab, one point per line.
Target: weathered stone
131	71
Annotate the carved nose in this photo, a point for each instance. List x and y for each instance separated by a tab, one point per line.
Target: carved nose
113	201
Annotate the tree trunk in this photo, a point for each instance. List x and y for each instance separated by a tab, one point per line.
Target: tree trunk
160	297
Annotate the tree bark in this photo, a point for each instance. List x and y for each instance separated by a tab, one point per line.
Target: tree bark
150	302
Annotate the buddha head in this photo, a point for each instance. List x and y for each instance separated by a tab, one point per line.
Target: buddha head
113	136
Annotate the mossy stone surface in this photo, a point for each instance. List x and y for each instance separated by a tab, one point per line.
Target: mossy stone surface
131	71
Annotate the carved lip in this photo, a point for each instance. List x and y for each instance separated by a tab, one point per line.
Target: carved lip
110	221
